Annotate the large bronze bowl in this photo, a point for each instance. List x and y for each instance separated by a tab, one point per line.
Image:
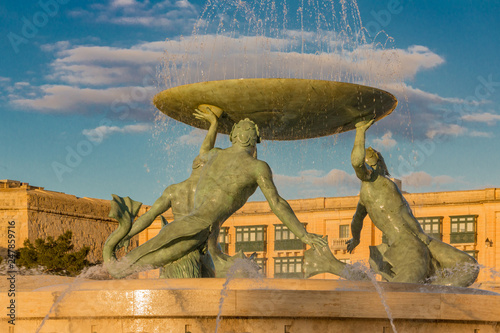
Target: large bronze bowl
284	109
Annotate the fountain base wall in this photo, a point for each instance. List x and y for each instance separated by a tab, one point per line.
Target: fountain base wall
268	305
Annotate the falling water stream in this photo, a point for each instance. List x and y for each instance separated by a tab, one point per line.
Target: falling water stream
240	267
381	294
91	272
59	299
304	39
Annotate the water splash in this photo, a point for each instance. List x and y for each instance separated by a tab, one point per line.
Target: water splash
244	267
66	291
78	280
323	40
369	272
490	279
97	272
462	274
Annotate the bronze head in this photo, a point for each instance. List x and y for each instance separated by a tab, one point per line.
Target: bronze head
245	132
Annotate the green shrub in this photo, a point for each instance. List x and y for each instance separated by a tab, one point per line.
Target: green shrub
55	256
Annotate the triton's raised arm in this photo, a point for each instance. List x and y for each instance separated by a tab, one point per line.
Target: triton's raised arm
363	171
209	141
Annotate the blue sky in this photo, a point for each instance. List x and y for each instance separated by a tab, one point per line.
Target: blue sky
77	79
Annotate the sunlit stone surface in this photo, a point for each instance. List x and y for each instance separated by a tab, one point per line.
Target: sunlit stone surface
266	305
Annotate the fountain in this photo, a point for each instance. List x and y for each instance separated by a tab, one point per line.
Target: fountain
299	105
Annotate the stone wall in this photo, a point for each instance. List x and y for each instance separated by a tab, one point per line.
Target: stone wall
12	208
39	213
52	214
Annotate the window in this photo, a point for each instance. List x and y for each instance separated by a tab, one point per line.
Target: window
463	229
284	239
262	264
288	267
431	226
344	230
251	238
345	261
224	238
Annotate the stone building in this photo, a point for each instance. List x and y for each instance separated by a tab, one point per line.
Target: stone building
38	213
469	220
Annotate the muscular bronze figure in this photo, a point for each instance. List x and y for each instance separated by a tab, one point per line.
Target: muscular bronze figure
410	255
229	177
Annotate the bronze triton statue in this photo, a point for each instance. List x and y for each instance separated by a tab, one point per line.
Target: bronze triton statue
230	176
410	255
179	197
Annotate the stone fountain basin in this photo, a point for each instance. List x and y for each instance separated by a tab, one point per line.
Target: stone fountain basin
284	109
267	305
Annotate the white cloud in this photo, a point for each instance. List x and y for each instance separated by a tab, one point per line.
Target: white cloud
418	57
194	138
184	4
422	97
21	84
316	183
455	130
444	129
6	88
305	176
126	78
422	179
483	117
68	99
61	45
123	3
210	57
98	134
422	114
479	134
95	75
137	54
395	64
338	178
417	179
102	65
178	16
385	143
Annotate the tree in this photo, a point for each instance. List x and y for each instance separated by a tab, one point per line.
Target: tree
55	256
